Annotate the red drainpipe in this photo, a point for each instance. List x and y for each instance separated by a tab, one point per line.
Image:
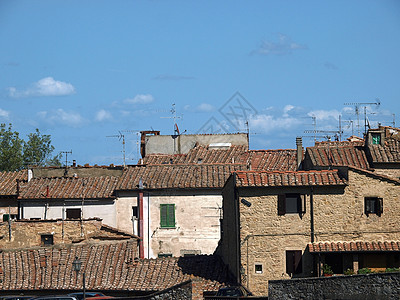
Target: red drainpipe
141	234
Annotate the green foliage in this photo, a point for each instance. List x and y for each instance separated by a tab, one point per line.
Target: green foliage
10	149
365	271
327	269
349	272
15	153
388	270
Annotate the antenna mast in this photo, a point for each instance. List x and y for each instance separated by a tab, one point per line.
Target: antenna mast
66	156
357	110
120	136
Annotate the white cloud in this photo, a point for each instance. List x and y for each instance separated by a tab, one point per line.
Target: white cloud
140	99
60	116
323	115
4	114
283	46
287	109
44	87
103	115
203	107
269	123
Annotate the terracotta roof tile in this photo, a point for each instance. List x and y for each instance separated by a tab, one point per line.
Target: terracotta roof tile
69	188
325	154
354	246
387	153
107	266
8	182
298	178
177	176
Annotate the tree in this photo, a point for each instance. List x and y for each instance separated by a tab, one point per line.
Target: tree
37	150
16	154
10	149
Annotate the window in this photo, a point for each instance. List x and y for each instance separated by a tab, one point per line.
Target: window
294	262
7	217
164	255
135	212
373	205
73	213
167	215
47	239
291	204
376	138
258	268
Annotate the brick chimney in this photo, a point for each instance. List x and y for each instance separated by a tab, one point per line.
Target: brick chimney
299	151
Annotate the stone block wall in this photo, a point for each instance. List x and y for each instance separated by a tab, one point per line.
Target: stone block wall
362	287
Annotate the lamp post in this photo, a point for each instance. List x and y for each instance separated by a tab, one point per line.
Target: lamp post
77	264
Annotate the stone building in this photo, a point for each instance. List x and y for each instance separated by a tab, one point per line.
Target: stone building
280	225
8	193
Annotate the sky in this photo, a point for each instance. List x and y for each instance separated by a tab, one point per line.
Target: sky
94	73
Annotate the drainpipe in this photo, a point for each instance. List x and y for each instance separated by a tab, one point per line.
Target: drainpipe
238	257
299	152
141	233
312	214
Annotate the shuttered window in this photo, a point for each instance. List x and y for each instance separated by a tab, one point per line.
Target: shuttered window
294	264
167	215
291	204
373	205
376	138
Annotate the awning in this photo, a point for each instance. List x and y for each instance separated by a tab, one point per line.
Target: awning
354	246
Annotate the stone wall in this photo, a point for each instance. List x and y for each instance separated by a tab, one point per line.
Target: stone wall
362	287
339	215
27	233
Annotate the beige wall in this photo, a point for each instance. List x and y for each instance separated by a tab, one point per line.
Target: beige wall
338	216
197	217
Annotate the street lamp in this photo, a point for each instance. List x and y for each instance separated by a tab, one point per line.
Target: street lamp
77	264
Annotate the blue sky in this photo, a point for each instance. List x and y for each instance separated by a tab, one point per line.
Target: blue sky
82	71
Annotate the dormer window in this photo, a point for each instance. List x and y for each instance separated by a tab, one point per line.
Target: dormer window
376	138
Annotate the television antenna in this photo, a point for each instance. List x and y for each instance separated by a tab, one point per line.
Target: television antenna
120	137
357	106
66	156
174	117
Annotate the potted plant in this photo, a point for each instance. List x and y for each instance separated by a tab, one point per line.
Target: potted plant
327	270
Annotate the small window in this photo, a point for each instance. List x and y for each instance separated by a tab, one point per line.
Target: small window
291	204
73	213
376	138
47	239
135	212
373	205
7	217
258	268
167	215
294	264
164	255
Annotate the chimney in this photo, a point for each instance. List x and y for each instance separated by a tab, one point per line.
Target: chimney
74	163
30	175
299	151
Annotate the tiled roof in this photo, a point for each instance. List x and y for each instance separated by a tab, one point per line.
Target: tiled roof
375	175
268	160
388	153
357	246
338	154
299	178
272	160
69	188
177	176
8	181
107	266
199	154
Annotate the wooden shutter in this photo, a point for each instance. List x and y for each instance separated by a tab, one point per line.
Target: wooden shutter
298	264
379	209
167	215
171	215
163	215
302	204
281	204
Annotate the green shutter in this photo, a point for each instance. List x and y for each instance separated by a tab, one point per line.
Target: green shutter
167	215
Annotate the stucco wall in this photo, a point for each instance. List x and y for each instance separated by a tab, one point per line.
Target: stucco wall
103	209
338	216
168	144
197	215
